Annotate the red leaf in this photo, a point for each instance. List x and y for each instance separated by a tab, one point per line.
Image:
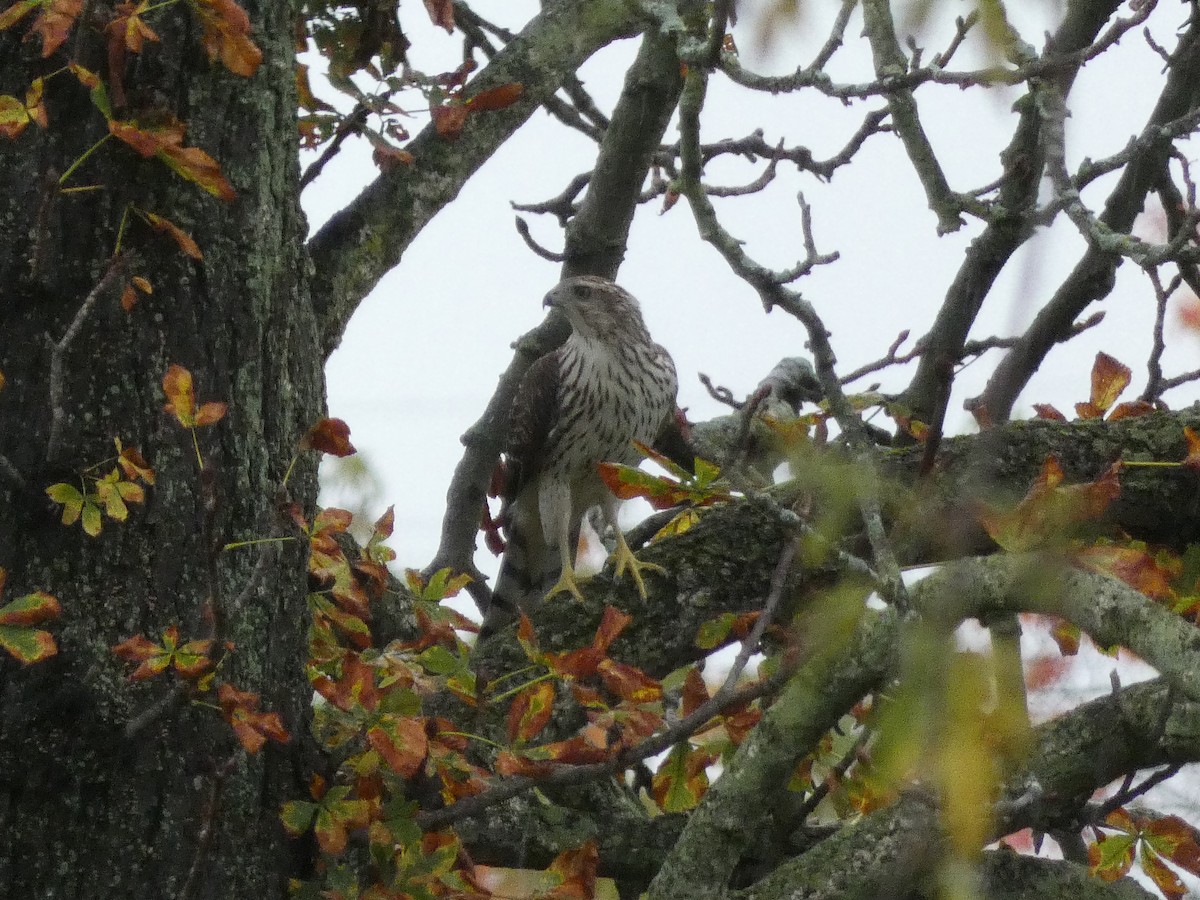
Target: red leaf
226	35
330	436
1046	411
629	683
55	23
611	625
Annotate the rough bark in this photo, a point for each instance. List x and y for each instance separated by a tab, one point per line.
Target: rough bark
86	808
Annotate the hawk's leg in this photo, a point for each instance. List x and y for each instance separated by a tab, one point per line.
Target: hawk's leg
566	581
623	557
554	502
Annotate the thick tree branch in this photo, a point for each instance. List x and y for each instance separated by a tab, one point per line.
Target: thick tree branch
597	235
366	239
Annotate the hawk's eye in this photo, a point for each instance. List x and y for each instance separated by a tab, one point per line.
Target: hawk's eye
580	291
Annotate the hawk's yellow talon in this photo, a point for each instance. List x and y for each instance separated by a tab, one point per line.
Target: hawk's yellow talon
567	583
623	559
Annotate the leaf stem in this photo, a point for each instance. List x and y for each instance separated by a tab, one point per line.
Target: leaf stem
79	162
235	545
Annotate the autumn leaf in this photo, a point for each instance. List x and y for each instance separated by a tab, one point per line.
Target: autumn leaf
181	400
401	741
681	781
133	464
18	618
226	35
1109	379
441	12
251	726
496	98
1046	411
55	23
164	140
190	659
449	120
629	683
332	818
181	238
15	115
16	12
330	436
576	871
530	711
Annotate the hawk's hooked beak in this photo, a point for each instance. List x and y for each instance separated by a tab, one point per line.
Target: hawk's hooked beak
550	302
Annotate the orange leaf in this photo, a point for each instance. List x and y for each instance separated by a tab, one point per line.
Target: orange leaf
181	238
611	625
1129	410
16	13
1135	567
226	35
448	121
1046	411
577	869
496	98
695	692
629	683
211	412
181	396
1109	379
253	728
1192	460
402	742
128	298
55	23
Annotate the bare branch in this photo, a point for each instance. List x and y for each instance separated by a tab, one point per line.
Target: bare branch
889	60
523	231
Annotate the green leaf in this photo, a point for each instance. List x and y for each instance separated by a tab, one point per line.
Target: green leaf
439	661
297	816
91	519
714	632
70	498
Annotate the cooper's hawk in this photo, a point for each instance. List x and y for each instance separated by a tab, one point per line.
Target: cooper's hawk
580	405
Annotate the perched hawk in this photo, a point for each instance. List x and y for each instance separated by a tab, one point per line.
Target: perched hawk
583	404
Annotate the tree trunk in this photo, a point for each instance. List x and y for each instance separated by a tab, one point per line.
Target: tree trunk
112	788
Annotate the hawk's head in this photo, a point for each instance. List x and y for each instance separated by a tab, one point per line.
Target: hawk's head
597	308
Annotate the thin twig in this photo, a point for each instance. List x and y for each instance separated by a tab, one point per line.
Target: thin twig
1127	793
351	124
207	825
9	471
836	774
720	393
58	352
570	775
523	231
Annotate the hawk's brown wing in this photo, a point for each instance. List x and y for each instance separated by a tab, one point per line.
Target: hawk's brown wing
535	410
